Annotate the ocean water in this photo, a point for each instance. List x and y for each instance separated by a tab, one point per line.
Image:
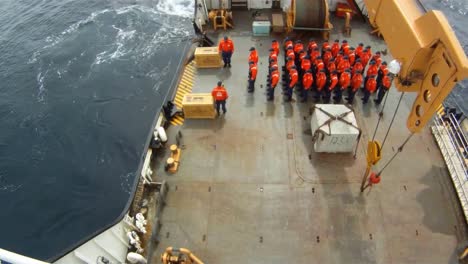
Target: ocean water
456	12
80	84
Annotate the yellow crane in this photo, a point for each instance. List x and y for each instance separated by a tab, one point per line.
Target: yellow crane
429	61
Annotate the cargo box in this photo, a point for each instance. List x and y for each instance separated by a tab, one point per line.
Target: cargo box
330	134
199	106
207	57
278	23
261	28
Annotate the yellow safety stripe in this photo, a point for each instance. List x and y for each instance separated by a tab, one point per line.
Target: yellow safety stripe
185	87
441	110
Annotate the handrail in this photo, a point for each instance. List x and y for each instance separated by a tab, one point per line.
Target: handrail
441	127
461	136
10	257
451	133
455	140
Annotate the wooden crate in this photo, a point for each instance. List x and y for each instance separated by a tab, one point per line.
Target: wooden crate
278	23
198	106
207	57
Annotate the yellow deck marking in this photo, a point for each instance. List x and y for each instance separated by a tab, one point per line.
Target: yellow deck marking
184	87
180	119
441	110
186	83
189	74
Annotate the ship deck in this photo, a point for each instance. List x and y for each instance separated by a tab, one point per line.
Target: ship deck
250	189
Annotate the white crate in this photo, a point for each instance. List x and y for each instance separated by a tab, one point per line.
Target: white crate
336	136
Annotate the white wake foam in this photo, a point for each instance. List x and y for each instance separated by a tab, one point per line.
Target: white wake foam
119	51
8	188
40	85
461	6
182	8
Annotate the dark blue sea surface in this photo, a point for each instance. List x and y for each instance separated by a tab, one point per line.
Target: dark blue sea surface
81	82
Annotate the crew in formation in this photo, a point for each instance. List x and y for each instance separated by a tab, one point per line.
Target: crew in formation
332	69
329	69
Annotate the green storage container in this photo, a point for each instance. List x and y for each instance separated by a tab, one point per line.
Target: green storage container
261	28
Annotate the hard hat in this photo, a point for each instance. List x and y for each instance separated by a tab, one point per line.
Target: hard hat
345	41
293	67
274	40
271	49
220	83
225	37
352	48
298	41
252	48
309	70
274	68
384	63
337	40
319	58
361	44
251	62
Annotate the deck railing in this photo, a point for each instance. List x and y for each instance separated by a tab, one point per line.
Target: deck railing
453	145
10	257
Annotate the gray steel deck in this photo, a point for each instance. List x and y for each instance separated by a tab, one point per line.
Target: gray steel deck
245	193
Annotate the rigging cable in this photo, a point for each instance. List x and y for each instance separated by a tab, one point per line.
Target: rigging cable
393	119
400	149
380	116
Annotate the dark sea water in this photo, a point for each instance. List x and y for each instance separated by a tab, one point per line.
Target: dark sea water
80	84
456	12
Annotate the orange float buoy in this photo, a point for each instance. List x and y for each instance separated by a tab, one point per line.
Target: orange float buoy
374	178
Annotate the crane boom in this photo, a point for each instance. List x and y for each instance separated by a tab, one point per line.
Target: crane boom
432	59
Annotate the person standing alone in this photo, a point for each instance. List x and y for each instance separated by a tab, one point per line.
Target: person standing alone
226	48
220	96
